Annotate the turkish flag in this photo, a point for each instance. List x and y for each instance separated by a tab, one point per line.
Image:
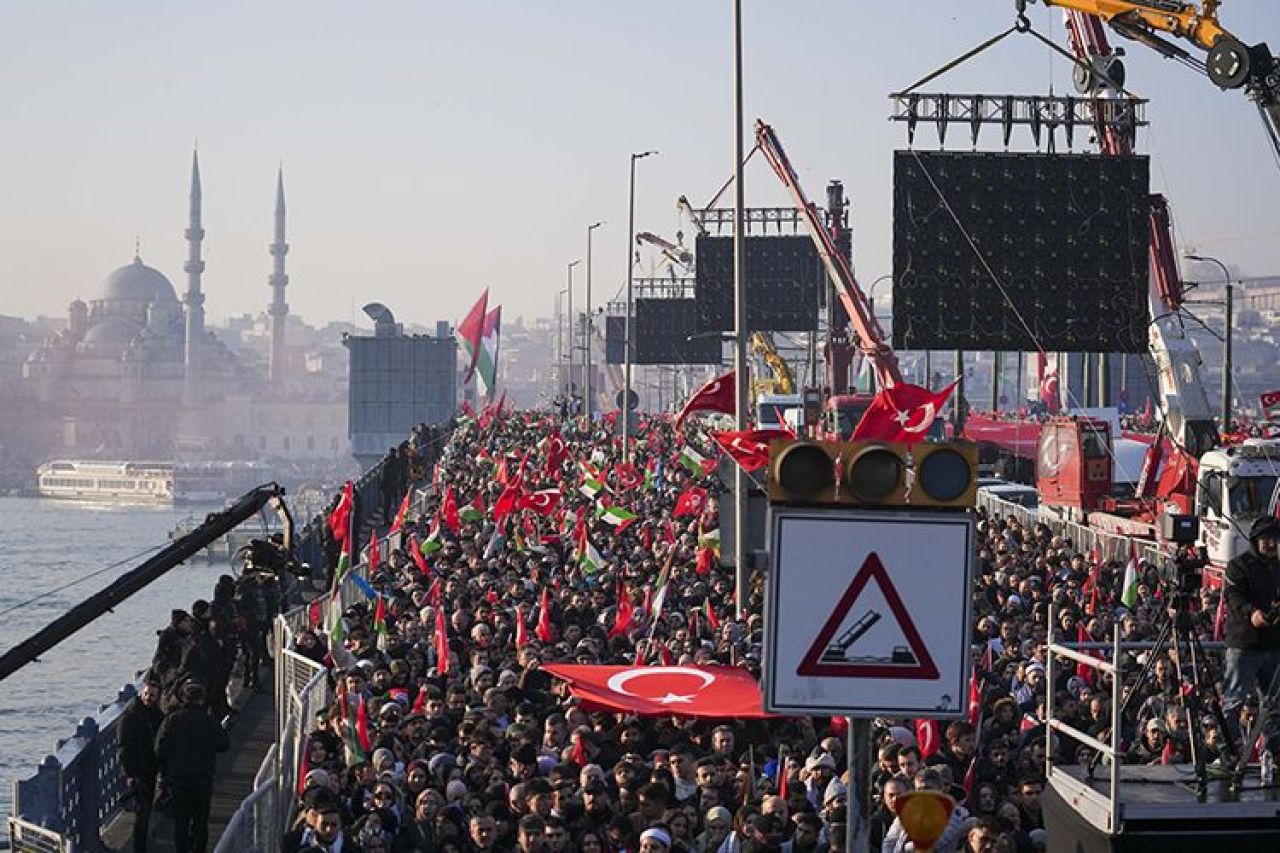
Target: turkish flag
543	628
716	396
449	509
441	643
691	502
522	630
749	448
1270	399
681	691
543	502
902	413
975	699
929	737
507	501
627	475
556	453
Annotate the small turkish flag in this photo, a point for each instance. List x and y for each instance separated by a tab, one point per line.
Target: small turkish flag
543	502
691	502
749	448
902	413
1270	399
929	737
716	396
683	691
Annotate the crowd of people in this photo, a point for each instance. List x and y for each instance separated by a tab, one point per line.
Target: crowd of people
539	543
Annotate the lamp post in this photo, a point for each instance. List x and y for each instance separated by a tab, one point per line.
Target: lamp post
741	575
626	322
586	381
1228	311
572	264
560	324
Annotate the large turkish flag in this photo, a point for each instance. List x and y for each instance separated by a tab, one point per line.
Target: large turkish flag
902	413
682	691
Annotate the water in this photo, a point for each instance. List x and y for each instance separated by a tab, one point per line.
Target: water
45	544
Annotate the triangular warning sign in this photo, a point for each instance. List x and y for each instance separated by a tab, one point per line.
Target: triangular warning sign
833	657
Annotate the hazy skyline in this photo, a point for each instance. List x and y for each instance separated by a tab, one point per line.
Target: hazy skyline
434	149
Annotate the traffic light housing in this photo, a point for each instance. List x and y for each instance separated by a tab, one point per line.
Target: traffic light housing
945	474
872	473
857	473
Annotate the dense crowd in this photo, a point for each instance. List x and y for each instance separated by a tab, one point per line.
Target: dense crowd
447	733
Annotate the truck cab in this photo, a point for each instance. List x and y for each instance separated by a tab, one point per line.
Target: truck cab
780	411
1235	485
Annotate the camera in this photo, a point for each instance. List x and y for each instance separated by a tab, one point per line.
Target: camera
1179	529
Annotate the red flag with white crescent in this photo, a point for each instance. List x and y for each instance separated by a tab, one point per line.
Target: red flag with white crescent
749	448
543	629
522	630
400	513
692	501
683	691
449	510
716	396
902	413
543	502
928	737
441	642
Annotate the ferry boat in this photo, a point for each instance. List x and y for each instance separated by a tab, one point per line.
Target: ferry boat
107	482
147	482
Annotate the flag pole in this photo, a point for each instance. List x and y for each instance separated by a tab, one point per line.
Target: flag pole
739	323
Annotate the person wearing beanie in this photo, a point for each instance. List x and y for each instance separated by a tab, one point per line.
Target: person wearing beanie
186	751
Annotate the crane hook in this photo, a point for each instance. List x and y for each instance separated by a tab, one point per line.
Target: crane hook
1021	23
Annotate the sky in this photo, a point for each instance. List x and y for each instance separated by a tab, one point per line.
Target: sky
433	149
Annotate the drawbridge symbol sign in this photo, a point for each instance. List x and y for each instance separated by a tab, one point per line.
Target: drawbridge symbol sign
867	612
838	656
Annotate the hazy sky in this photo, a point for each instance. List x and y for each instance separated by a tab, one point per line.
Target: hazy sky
432	149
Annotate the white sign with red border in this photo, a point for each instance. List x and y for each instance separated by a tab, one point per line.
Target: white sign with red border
867	612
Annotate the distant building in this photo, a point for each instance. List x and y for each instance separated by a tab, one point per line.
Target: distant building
397	381
135	374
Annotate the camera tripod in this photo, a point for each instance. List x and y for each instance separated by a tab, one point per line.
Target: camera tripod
1178	636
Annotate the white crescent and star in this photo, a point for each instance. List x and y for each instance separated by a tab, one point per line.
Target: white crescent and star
618	683
929	412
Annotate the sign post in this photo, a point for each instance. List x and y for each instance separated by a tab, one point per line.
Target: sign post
867	612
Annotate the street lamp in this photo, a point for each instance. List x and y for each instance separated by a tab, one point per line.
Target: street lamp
740	572
572	264
561	317
586	382
626	323
1229	302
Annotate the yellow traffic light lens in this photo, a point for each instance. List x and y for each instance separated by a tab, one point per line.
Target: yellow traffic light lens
874	473
805	470
943	475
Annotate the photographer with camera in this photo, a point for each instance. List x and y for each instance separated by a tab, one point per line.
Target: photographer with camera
1252	588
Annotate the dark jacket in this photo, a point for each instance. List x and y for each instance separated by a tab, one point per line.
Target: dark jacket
1252	581
187	745
138	727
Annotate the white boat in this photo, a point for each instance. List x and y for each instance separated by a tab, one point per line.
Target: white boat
148	482
107	482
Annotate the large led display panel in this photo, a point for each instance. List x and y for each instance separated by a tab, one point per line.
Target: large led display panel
666	333
1017	251
785	283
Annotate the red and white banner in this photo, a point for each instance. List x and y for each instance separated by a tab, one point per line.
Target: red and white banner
681	691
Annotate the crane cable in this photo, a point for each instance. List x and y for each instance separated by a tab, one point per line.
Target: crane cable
81	579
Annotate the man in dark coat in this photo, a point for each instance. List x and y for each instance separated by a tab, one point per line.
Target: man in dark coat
1252	661
138	727
186	750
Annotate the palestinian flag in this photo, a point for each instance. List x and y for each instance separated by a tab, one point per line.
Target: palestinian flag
340	522
337	630
380	624
711	540
618	517
693	460
473	511
1129	590
471	333
400	513
591	487
660	587
588	557
432	543
487	359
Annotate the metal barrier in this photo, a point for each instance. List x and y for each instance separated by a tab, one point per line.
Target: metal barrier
78	789
253	826
1110	546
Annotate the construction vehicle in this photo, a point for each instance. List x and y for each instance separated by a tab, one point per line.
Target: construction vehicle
782	382
1075	455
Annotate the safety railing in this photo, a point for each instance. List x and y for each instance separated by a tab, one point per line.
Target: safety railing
254	825
1110	752
76	790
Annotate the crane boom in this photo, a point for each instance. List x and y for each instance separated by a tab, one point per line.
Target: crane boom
871	339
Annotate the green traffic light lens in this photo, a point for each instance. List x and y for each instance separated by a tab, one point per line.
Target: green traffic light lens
943	475
805	470
874	473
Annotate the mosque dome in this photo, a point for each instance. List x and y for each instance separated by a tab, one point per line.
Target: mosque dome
108	337
137	282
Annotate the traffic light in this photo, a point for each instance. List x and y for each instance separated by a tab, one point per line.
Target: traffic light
873	473
838	472
945	475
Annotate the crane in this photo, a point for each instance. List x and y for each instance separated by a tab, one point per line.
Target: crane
676	253
871	338
1228	63
783	382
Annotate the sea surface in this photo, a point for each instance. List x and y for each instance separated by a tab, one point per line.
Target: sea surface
45	544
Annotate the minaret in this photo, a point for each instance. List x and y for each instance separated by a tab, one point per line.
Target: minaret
278	280
194	299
